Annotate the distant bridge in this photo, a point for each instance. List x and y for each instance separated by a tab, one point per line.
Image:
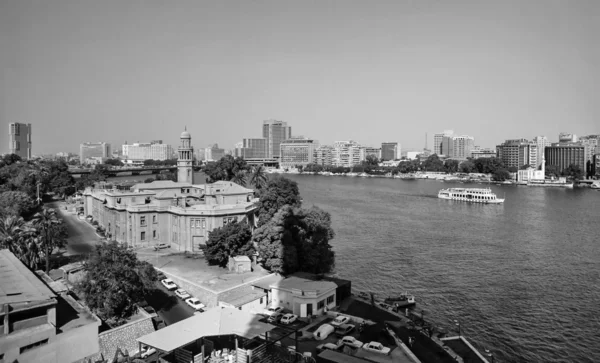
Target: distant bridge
127	170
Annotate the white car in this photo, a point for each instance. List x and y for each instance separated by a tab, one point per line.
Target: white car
182	294
195	303
147	351
273	310
323	332
289	318
340	319
351	341
169	284
376	347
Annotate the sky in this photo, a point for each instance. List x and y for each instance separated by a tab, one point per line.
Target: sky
371	71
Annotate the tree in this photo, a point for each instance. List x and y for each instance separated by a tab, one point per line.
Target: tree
468	166
240	178
296	239
433	163
9	159
372	160
114	162
19	237
451	166
115	281
512	169
552	171
278	192
17	203
225	168
574	172
258	178
53	233
500	175
488	165
233	239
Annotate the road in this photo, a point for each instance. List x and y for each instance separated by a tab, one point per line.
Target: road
82	236
169	307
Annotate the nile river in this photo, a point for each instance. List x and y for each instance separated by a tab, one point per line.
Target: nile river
523	278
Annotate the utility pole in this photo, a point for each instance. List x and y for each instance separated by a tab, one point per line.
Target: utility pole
39	200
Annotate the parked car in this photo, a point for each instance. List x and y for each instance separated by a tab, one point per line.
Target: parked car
273	310
169	284
275	318
198	312
329	346
182	294
323	332
147	351
344	329
195	303
376	347
340	319
289	318
352	341
161	275
161	246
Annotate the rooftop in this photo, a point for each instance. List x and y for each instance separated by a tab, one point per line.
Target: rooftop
227	187
19	284
241	295
123	337
217	321
304	284
241	258
160	184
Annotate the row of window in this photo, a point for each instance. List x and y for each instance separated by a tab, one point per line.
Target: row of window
321	304
143	220
143	235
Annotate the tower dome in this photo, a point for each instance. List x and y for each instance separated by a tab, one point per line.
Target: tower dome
185	135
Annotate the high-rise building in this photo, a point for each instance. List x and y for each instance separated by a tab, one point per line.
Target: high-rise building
19	141
368	150
324	155
154	150
213	153
297	151
591	142
275	132
542	142
438	140
254	148
94	150
390	151
483	153
517	153
462	147
346	153
595	165
564	154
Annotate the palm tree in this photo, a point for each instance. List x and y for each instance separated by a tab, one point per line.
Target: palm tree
52	232
239	178
20	239
258	177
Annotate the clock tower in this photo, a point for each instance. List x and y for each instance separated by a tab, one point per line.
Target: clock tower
185	172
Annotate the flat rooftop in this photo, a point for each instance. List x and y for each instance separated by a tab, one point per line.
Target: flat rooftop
20	287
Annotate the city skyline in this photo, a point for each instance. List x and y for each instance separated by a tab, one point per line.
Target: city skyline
115	71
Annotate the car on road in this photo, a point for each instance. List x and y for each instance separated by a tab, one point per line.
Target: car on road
169	284
289	318
161	246
275	318
351	341
146	351
182	294
273	310
344	329
376	347
329	346
323	332
195	303
340	319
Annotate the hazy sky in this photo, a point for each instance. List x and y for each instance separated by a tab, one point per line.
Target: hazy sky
371	71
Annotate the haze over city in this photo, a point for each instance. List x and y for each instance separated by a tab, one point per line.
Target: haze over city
386	71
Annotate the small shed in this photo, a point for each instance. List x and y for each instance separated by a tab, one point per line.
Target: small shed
239	264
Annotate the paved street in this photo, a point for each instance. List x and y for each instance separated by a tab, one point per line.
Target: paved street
82	236
169	307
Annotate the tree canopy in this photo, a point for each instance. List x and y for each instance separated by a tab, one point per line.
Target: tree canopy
115	281
573	171
278	192
17	203
500	175
233	239
225	168
52	232
296	239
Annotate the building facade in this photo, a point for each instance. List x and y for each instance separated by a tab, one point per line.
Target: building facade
324	155
596	166
346	153
368	150
462	147
390	151
517	153
438	140
297	151
542	142
154	150
19	139
213	153
591	143
94	149
254	148
180	214
562	155
567	137
275	132
483	153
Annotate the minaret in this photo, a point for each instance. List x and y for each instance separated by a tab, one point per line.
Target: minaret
185	172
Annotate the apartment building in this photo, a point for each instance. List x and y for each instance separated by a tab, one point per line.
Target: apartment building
19	139
297	152
517	153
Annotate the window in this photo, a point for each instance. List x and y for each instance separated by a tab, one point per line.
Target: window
261	300
330	299
320	304
32	345
154	234
142	220
154	218
143	236
204	223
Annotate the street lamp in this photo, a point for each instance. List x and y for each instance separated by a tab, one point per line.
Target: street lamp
457	324
489	354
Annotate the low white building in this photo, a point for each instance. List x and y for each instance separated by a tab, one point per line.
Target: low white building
302	296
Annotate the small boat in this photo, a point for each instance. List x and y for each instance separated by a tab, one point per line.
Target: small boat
402	301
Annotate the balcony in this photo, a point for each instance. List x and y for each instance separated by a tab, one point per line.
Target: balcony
29	323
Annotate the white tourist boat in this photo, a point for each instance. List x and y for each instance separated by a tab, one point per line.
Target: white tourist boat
473	195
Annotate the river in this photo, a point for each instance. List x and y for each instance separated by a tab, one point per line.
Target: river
522	278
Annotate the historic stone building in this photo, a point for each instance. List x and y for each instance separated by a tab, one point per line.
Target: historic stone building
177	213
